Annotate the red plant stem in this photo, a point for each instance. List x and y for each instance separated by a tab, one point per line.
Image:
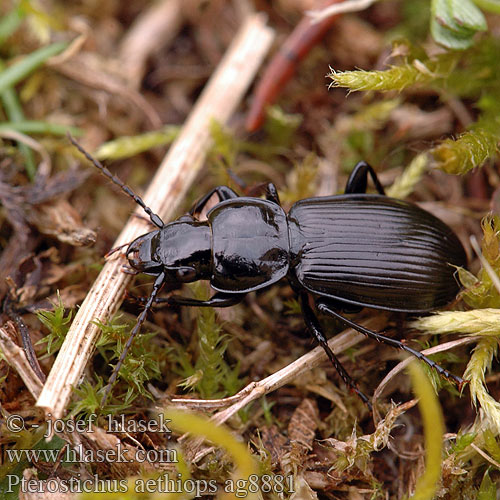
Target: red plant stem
284	64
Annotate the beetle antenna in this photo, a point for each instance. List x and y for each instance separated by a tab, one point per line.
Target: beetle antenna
114	250
140	320
155	219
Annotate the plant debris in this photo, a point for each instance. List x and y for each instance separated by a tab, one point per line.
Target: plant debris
157	90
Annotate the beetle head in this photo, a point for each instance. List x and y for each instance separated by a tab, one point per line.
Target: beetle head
140	255
181	248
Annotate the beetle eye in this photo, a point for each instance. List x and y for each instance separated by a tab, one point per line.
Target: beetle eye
186	274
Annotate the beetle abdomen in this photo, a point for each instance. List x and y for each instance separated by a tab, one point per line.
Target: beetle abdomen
374	251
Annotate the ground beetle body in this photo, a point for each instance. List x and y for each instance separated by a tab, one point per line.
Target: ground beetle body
355	249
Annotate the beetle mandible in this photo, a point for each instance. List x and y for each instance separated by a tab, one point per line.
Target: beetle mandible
355	249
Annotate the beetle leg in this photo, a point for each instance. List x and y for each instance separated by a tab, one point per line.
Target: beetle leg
140	320
325	308
358	179
314	327
272	194
218	299
223	192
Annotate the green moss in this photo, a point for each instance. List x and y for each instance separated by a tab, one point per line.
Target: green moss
480	292
141	364
210	374
58	323
414	72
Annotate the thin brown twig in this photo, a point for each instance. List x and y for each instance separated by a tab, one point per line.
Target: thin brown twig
29	350
346	6
16	357
305	363
401	366
486	456
255	390
178	170
151	32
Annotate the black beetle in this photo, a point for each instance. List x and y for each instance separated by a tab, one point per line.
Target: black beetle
355	249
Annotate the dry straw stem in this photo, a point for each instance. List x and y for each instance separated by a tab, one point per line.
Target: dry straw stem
152	31
340	8
312	359
403	364
256	390
176	173
92	70
15	356
483	322
305	363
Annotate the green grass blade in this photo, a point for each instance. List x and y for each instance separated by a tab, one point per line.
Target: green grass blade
9	23
433	423
40	127
15	73
491	5
125	147
14	112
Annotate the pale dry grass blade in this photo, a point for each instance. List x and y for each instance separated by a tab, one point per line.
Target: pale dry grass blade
178	170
